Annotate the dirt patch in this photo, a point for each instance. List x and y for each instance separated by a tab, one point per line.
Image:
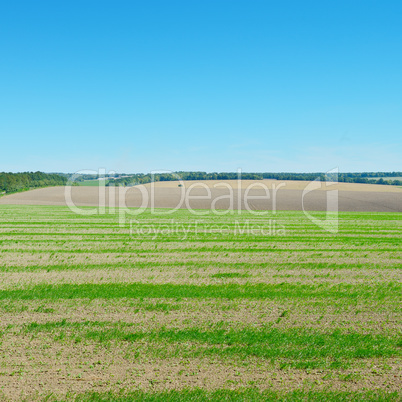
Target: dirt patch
352	197
205	276
79	368
151	314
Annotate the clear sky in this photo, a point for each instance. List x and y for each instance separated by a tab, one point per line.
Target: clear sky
210	85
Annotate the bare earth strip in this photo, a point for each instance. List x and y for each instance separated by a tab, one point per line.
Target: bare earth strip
151	314
204	276
225	195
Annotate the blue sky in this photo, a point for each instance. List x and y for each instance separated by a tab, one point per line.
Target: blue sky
210	85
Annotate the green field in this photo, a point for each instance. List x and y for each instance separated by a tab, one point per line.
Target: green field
183	307
92	183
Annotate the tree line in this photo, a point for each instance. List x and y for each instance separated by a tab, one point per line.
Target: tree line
14	182
365	177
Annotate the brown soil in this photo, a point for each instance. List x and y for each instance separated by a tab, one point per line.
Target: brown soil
204	276
352	197
68	367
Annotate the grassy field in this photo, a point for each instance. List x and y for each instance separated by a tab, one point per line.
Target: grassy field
92	183
178	307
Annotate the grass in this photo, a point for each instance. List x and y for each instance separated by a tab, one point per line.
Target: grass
92	183
249	395
300	347
381	291
224	275
298	315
